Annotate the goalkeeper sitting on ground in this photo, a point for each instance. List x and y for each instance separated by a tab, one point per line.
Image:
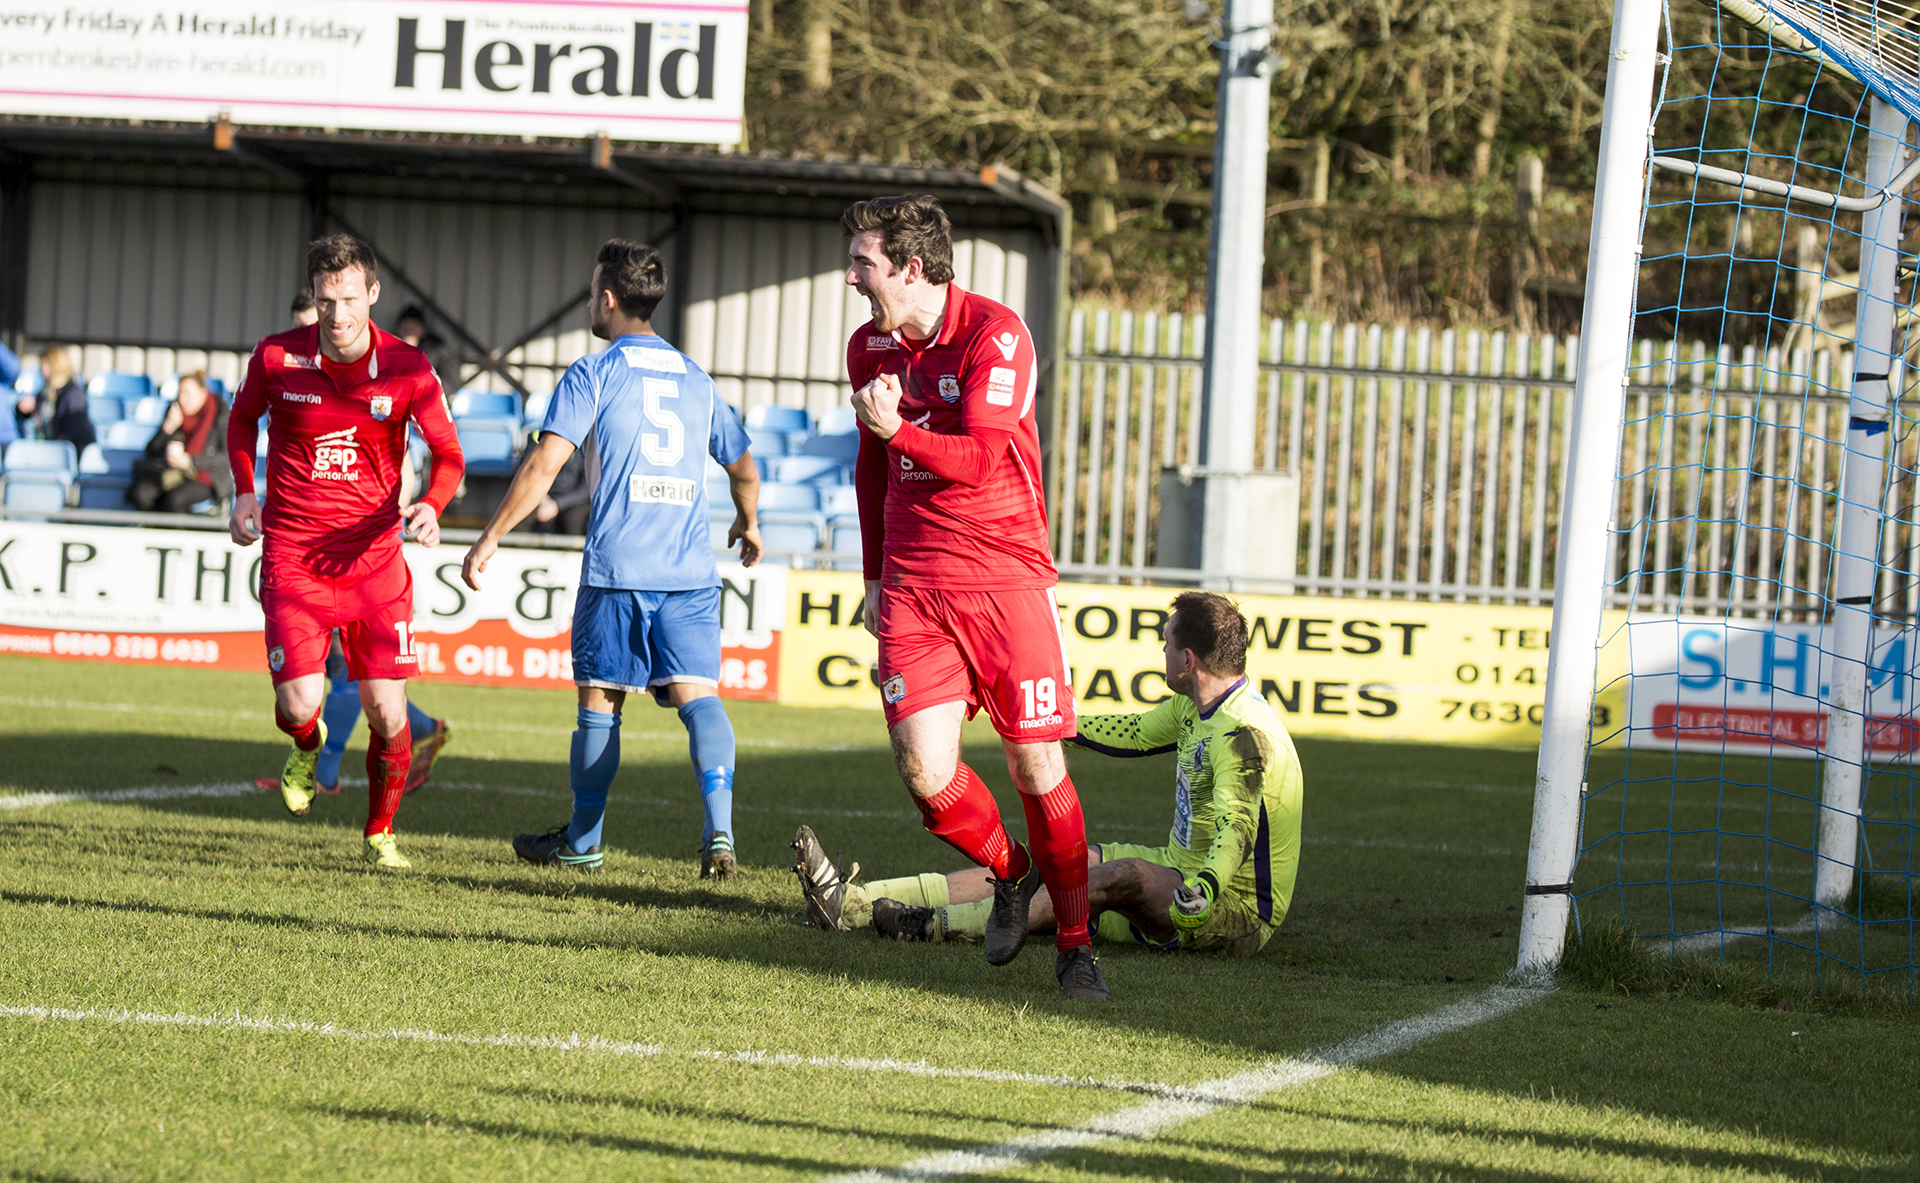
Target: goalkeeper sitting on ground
1224	879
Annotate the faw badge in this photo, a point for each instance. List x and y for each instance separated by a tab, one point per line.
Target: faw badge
380	406
276	658
950	388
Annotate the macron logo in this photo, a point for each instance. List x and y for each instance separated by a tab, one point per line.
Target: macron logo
294	396
1007	343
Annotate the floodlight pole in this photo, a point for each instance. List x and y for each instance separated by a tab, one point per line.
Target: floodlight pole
1588	500
1856	549
1229	386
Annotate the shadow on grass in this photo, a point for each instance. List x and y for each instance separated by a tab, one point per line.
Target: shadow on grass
922	1137
441	1122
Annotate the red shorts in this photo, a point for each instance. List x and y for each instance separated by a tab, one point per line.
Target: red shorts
370	601
1001	650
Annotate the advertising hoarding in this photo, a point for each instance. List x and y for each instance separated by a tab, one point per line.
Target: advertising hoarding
668	71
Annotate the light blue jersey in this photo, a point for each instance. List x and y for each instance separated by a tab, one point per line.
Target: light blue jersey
649	407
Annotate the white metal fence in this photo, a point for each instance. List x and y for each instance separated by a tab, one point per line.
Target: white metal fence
1429	463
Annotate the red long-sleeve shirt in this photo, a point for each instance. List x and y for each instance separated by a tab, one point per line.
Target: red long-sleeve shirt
954	499
336	441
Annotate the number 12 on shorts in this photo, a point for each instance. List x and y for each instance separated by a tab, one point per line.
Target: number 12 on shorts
1038	698
405	629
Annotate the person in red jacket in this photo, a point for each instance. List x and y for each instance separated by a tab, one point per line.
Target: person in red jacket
959	576
338	396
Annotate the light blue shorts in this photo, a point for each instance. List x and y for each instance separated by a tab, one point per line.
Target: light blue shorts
645	640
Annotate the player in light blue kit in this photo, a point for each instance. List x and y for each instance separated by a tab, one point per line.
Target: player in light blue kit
648	614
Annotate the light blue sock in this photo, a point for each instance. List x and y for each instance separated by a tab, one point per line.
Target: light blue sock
418	720
594	759
710	743
341	711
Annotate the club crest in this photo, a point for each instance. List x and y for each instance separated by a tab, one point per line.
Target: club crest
950	388
380	406
894	689
276	658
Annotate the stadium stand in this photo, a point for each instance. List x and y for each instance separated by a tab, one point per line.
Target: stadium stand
106	408
488	445
810	470
117	385
148	411
482	406
125	433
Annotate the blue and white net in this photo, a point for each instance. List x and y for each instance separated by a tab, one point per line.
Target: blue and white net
1700	835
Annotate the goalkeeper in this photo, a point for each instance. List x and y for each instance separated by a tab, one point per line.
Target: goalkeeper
1224	879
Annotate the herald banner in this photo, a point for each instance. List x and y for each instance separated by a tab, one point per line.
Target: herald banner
670	71
191	597
1709	684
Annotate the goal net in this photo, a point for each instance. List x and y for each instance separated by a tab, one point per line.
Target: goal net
1747	780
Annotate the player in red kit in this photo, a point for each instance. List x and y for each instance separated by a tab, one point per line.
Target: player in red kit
338	396
959	577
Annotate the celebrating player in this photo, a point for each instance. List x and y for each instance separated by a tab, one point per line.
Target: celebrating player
339	395
647	618
1224	879
959	580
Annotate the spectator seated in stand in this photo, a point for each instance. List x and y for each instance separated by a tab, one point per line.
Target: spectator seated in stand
9	370
564	508
186	460
59	411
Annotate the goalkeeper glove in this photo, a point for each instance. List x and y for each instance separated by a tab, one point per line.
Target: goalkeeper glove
1193	901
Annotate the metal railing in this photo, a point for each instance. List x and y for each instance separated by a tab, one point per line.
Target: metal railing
1429	464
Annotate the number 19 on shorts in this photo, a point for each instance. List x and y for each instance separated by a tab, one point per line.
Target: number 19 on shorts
1038	698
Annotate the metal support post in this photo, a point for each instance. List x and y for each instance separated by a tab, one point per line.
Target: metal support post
1863	479
1236	255
1586	525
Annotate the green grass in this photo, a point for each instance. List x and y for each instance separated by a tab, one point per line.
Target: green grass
221	906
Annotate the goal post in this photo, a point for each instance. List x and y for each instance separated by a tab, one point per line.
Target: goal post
1729	759
1863	483
1593	450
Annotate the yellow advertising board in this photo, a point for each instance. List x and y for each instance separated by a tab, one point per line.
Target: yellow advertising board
1363	669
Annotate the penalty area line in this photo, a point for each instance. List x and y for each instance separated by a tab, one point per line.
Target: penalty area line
1156	1117
576	1043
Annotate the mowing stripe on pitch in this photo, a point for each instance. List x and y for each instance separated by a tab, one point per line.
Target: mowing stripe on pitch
579	1043
1158	1116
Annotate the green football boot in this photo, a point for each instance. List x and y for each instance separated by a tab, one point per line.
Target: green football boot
297	783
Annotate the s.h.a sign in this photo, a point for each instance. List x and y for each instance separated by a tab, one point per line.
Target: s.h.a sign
661	71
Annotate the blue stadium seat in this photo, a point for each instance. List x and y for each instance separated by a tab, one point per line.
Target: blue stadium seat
771	444
536	409
810	470
840	501
105	408
481	406
126	434
40	474
843	539
148	411
218	389
105	475
116	385
488	446
768	417
838	420
782	498
791	535
844	447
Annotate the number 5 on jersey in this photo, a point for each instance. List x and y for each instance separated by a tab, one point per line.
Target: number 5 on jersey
666	450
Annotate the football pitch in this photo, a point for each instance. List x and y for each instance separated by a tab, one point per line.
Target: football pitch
195	986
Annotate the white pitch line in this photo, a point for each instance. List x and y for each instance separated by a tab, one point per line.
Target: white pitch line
1158	1116
579	1043
149	793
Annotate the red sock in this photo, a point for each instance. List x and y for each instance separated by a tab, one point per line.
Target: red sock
1058	834
388	758
306	736
965	816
